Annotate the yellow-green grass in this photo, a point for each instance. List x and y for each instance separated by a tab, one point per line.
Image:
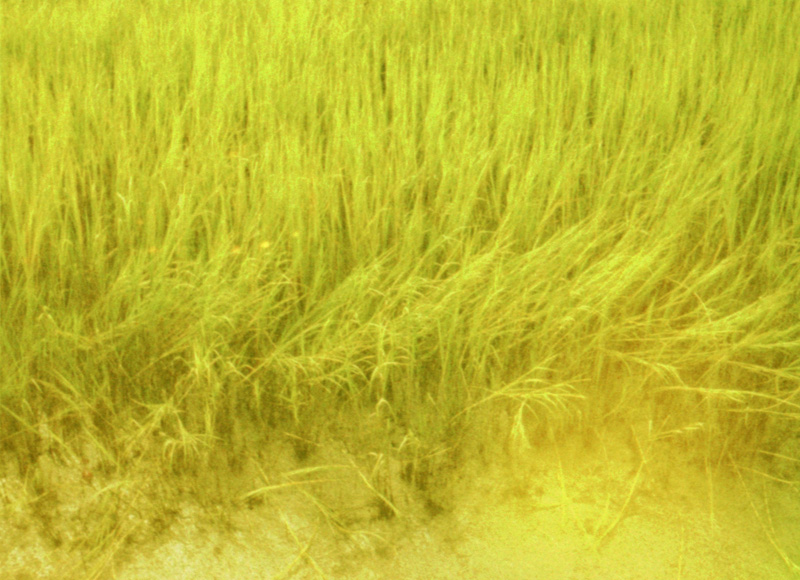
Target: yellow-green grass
298	215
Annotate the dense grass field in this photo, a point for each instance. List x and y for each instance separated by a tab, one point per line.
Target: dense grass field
397	221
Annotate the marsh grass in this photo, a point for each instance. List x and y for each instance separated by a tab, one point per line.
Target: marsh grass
221	215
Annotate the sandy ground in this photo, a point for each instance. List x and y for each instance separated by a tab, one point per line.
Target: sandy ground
584	509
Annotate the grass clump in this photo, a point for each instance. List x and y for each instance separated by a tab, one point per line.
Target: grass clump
216	215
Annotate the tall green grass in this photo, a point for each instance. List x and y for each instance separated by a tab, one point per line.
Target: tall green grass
223	214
